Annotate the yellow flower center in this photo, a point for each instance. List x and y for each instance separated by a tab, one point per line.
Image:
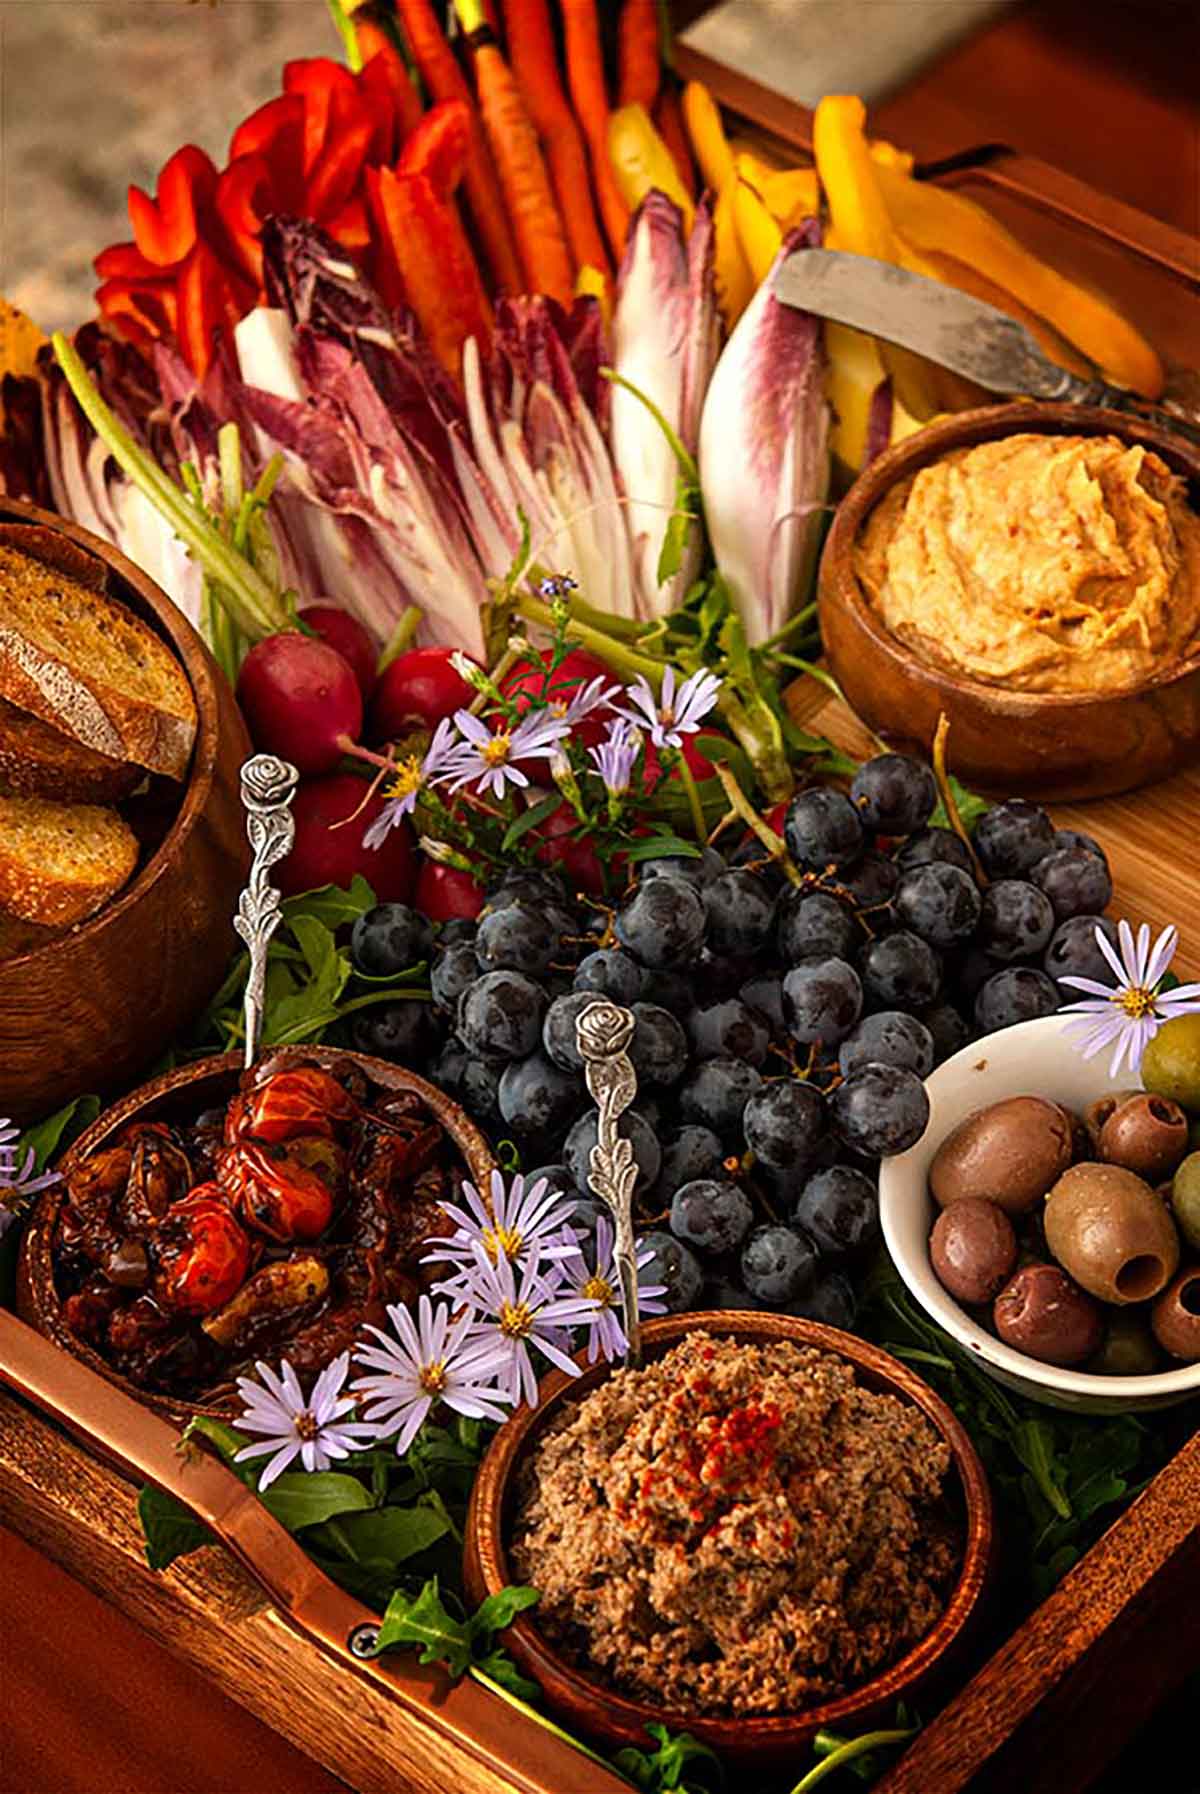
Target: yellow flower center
306	1426
501	1242
666	714
409	778
496	751
516	1320
1137	1001
433	1377
600	1290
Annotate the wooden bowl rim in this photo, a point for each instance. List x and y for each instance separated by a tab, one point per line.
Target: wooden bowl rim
493	1483
840	584
170	623
37	1295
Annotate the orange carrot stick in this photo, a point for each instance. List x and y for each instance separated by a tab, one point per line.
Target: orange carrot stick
638	53
585	77
668	118
429	260
442	76
535	70
541	239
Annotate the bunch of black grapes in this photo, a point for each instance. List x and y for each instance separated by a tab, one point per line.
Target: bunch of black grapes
783	1029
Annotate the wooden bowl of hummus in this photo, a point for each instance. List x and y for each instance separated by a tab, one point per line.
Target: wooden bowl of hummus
773	1527
1033	571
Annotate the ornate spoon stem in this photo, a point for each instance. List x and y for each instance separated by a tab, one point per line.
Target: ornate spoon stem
603	1030
268	786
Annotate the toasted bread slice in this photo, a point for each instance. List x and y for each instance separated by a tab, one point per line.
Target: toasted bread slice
82	662
37	761
60	862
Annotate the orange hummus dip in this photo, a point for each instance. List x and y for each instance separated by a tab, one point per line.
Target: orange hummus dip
1040	563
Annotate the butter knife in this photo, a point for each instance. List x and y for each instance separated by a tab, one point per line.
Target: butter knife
957	331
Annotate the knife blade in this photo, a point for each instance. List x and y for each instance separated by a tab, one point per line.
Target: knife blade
947	326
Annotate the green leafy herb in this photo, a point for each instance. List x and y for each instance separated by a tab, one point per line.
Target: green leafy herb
537	813
680	1761
970	806
423	1622
55	1134
170	1529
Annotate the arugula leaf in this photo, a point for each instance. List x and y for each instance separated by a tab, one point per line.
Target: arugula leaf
389	1535
422	1620
970	806
170	1530
662	843
501	1668
530	819
331	905
302	1498
664	1769
56	1132
497	1611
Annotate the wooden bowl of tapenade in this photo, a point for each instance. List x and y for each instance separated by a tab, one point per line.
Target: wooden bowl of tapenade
771	1528
215	1216
1032	571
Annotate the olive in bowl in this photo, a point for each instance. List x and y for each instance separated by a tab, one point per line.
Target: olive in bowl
1008	1153
1040	1311
1112	1233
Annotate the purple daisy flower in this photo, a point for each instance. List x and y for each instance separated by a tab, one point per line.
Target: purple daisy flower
517	1313
311	1428
671	715
412	776
486	757
600	1287
615	757
515	1222
1129	1014
17	1183
424	1362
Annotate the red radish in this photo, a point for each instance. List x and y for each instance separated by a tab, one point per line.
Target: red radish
327	855
578	668
415	691
577	860
339	630
300	700
446	891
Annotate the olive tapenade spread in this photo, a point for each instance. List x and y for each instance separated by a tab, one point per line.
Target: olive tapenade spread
737	1529
275	1226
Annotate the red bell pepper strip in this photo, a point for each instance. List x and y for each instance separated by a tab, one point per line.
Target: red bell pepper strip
441	281
338	169
329	94
165	228
351	227
125	261
245	198
439	146
144	312
212	299
384	70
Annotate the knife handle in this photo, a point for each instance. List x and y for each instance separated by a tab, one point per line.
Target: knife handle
1117	398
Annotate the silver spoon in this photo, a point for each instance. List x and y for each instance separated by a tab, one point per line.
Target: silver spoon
268	786
603	1030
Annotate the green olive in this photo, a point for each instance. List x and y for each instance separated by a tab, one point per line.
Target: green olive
1112	1233
1185	1199
1129	1349
1171	1062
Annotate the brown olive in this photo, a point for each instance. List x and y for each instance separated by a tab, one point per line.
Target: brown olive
1097	1113
1009	1153
1041	1312
1129	1349
972	1249
1112	1232
1175	1317
1147	1134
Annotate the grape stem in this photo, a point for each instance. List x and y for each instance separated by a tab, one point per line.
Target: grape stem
946	793
749	815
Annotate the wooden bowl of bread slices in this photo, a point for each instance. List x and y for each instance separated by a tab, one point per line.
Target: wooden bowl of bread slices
122	846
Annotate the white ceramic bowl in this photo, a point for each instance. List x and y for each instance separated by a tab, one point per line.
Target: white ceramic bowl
1032	1059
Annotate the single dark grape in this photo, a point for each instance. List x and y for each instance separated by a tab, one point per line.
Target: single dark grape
715	1093
719	975
690	1152
812	924
449	1066
402	1031
526	884
456	929
695	869
1071	837
1016	920
741	912
968	972
1012	837
822	1000
557	1178
712	1216
879	1110
831	1302
1017	994
940	903
537	1097
822	828
670	990
516	938
500	1015
888	1037
610	972
778	1264
900	971
388	939
1077	882
558	1029
839	1210
674	1265
1074	953
894	794
728	1030
932	847
455	967
662	924
784	1123
870	884
633	1127
659	1048
764	995
947	1029
479	1091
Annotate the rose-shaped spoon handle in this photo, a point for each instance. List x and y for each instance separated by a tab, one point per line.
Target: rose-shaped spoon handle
268	786
603	1030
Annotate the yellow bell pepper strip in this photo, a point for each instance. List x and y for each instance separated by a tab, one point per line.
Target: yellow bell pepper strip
758	233
934	220
710	146
888	156
789	194
968	279
861	224
642	163
591	283
732	277
855	371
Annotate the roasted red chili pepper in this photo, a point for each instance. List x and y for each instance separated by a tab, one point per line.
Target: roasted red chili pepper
306	1101
274	1194
202	1253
